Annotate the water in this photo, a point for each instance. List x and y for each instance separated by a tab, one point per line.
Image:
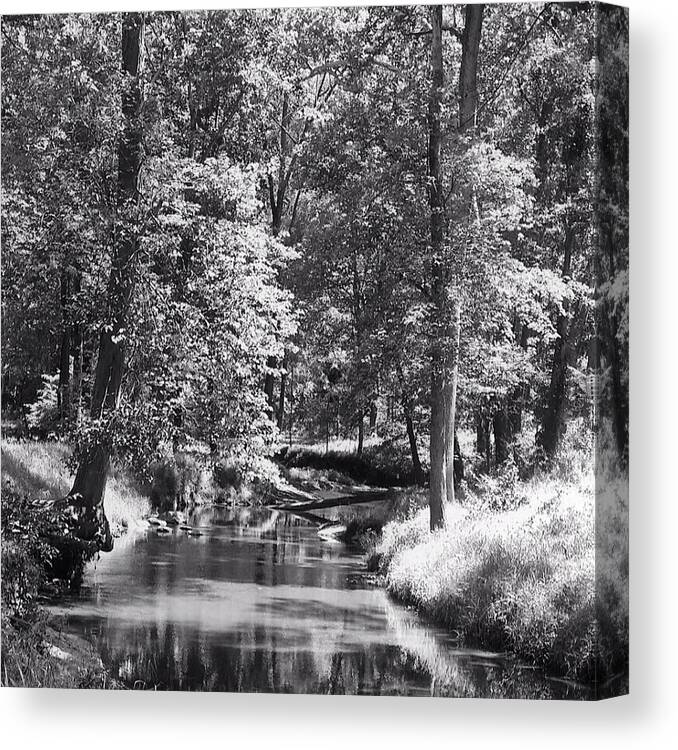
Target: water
260	603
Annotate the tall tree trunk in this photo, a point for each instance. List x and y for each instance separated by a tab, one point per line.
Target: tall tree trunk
283	385
89	486
480	433
447	310
437	490
269	382
483	444
451	453
63	392
277	203
553	417
502	436
458	462
361	433
519	394
76	349
468	72
373	416
290	419
417	471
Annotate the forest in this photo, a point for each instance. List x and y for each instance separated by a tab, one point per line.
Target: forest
272	258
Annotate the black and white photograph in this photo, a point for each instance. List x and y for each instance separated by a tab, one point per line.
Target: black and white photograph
315	350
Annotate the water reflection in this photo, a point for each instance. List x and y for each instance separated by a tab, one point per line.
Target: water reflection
261	603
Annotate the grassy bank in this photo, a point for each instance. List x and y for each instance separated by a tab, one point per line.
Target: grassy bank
35	653
38	654
38	468
521	580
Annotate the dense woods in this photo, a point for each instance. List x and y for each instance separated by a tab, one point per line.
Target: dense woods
239	228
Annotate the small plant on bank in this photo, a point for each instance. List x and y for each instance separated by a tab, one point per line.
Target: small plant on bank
42	416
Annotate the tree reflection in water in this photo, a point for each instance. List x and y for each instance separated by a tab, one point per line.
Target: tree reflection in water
261	604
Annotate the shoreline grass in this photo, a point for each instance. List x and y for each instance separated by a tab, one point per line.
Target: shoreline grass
522	580
38	468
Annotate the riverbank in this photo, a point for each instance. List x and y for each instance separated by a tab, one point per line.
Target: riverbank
35	650
38	469
528	580
514	569
40	654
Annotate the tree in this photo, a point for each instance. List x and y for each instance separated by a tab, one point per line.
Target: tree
89	486
59	127
611	251
442	374
445	298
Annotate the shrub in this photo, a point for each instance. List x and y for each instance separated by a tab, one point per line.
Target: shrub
42	416
227	475
37	545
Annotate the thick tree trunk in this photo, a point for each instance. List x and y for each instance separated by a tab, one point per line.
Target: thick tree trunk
480	434
269	382
63	392
373	416
437	481
483	445
468	73
361	433
89	487
277	204
446	359
553	417
458	462
283	385
438	489
502	436
452	374
77	352
519	394
417	471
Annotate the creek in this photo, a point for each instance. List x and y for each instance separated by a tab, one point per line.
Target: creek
260	603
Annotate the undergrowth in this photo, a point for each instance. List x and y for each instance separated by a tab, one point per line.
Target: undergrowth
538	568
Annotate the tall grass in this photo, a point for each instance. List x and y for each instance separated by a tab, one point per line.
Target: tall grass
38	468
522	580
29	660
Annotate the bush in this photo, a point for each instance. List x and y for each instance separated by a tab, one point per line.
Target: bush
501	491
227	475
42	416
37	546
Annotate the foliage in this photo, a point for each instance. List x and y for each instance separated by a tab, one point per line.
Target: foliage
265	131
33	536
381	464
42	415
